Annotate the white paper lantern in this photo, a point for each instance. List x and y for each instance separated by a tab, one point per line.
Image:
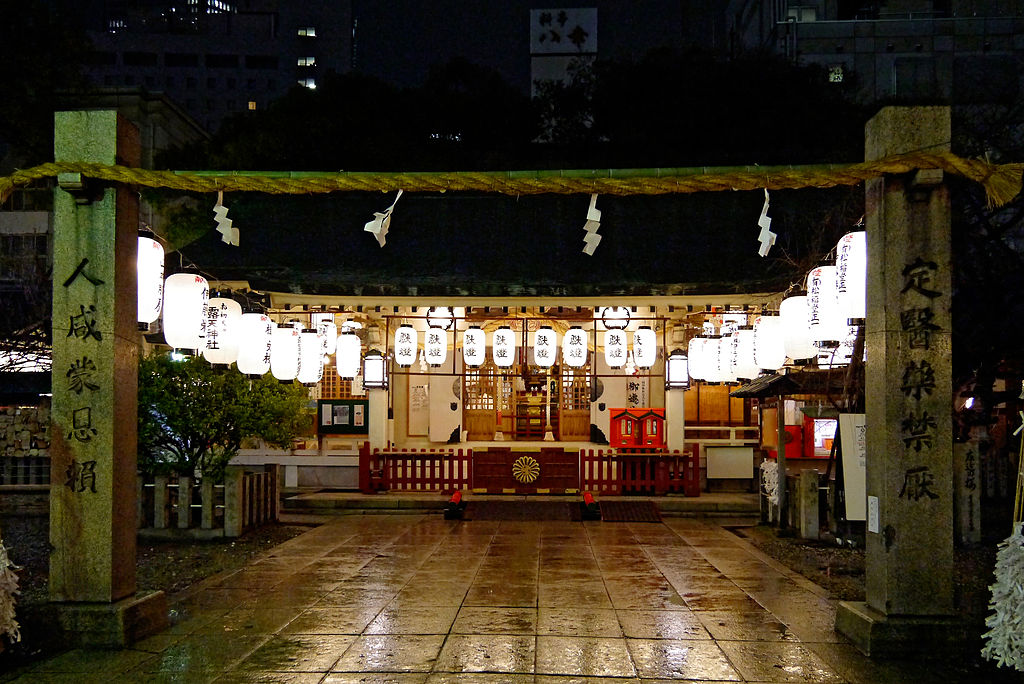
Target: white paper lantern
185	297
615	348
545	347
575	347
284	352
796	332
746	365
347	358
503	347
311	357
474	347
852	275
223	321
435	345
827	326
695	354
712	358
407	343
726	359
645	347
328	331
769	342
255	332
150	267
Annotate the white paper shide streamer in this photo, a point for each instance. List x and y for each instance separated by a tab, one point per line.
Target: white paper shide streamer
592	239
381	222
766	236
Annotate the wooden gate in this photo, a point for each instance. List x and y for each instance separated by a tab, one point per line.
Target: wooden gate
574	416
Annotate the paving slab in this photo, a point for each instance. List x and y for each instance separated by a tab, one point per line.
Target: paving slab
413	598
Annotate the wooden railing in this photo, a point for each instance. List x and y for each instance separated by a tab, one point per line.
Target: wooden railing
25	472
610	472
434	470
181	507
623	471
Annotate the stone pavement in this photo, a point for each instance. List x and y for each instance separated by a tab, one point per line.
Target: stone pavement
414	598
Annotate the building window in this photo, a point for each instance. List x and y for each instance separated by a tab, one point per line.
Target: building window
169	82
108	80
307	61
150	81
181	59
307	31
802	14
231	83
308	83
190	83
252	105
250	83
115	25
835	73
129	80
261	62
211	82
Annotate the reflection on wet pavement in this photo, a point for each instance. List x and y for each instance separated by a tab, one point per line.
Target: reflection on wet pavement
415	598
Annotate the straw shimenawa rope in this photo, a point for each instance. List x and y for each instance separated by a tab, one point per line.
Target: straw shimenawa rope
1002	182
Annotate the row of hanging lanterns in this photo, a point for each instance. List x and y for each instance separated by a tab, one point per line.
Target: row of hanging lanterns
820	323
575	347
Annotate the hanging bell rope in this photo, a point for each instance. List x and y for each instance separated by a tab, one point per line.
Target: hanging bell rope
1002	182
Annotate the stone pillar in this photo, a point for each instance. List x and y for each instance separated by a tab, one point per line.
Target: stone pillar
909	543
95	371
379	423
675	419
807	491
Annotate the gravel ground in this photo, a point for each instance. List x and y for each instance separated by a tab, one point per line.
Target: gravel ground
170	566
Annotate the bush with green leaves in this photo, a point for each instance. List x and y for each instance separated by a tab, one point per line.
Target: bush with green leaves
194	418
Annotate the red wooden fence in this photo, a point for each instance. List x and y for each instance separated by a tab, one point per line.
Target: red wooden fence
610	472
411	470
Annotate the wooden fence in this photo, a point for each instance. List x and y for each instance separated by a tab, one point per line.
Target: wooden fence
610	472
25	471
181	507
405	470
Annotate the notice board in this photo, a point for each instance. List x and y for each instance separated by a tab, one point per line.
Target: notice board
853	433
343	416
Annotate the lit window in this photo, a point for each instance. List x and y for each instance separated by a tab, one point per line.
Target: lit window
252	105
308	83
115	25
307	31
835	73
307	61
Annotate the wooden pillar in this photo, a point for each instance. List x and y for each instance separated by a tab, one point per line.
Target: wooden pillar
909	543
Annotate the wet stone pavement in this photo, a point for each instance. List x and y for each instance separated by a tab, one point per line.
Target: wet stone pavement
418	599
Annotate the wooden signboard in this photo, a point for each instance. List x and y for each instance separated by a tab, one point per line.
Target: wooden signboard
343	416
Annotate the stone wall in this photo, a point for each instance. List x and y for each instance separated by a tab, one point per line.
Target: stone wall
25	431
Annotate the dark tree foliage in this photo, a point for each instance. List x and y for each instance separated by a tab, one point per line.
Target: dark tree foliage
193	419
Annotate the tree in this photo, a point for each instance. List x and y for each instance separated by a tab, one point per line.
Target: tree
193	418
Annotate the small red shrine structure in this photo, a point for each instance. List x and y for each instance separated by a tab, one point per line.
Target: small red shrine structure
636	428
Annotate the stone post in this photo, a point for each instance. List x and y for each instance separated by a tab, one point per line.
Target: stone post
234	516
95	371
675	419
807	492
909	543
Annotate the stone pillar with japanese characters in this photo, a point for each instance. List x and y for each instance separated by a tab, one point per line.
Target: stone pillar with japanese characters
909	465
95	379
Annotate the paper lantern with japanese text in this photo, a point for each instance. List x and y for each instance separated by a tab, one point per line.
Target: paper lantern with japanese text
184	315
324	324
795	329
826	325
407	343
852	275
435	345
645	347
615	348
695	355
255	332
575	344
545	347
474	347
746	365
503	347
223	320
311	357
150	268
